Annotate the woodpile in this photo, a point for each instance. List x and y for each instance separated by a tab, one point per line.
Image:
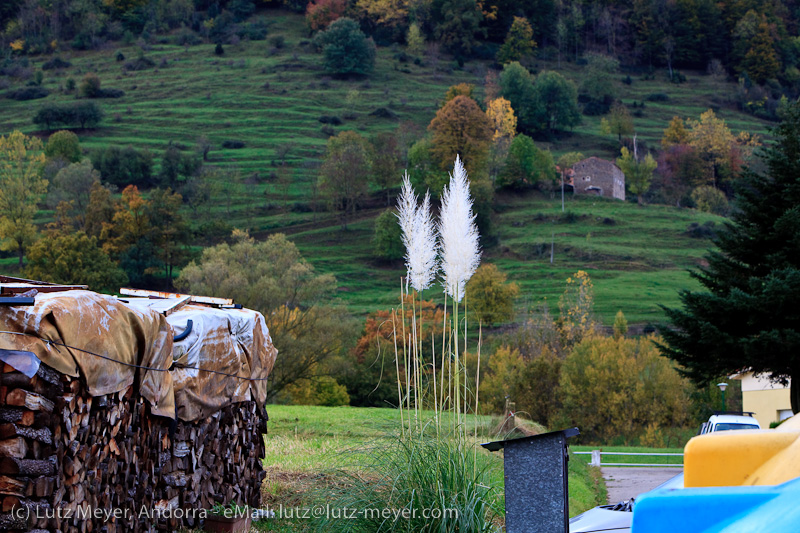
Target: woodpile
71	462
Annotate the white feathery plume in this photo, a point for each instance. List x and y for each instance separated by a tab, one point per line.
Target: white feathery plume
458	234
422	264
419	237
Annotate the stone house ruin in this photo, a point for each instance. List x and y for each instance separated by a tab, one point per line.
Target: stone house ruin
598	177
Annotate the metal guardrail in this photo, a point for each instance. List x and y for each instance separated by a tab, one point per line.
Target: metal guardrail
597	458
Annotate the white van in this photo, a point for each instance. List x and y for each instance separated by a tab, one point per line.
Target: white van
729	421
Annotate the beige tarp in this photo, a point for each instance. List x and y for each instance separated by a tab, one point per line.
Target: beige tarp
102	325
230	341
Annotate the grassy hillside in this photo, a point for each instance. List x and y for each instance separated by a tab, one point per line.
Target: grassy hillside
271	97
636	256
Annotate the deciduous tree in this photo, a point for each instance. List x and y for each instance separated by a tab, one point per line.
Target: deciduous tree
21	189
676	133
490	296
616	387
345	172
73	185
386	162
619	122
516	85
526	166
519	42
345	48
63	144
556	102
458	23
461	128
272	277
74	257
321	13
503	120
388	241
638	173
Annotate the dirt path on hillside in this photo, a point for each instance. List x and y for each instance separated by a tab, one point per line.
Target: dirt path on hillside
626	482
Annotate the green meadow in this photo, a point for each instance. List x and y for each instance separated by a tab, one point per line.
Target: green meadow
306	445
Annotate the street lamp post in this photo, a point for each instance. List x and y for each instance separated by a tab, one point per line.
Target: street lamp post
722	387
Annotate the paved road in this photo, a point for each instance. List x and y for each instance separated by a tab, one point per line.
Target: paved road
626	482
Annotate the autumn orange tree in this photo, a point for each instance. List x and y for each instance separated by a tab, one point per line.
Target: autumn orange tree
371	373
461	128
321	13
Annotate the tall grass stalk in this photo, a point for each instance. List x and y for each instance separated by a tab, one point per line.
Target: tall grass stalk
432	466
411	477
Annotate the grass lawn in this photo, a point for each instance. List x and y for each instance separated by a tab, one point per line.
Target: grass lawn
306	442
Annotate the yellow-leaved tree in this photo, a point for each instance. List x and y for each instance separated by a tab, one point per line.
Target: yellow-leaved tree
21	189
503	119
615	388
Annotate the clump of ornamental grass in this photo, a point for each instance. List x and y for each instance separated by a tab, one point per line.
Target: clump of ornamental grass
424	483
430	475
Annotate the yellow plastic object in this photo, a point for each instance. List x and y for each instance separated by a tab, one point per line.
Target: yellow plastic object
728	458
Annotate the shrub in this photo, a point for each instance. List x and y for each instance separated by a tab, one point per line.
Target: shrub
710	200
334	120
387	241
658	97
140	63
706	231
63	144
233	144
254	31
90	86
384	112
111	93
345	48
491	298
27	93
186	37
678	78
55	64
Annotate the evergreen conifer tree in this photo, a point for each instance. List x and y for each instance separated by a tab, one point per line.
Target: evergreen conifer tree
747	317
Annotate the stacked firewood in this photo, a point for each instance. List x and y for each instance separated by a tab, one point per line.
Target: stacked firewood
71	462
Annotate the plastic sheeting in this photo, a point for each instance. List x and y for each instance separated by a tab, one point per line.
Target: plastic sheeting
102	325
228	341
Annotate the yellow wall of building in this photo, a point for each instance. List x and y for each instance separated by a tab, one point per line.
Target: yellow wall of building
766	404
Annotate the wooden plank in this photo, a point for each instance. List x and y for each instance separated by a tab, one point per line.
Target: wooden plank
17	288
157	294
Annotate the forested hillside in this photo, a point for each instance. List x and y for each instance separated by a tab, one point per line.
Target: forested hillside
166	144
247	109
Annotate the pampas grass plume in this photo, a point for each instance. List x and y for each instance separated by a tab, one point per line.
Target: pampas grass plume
419	237
458	234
